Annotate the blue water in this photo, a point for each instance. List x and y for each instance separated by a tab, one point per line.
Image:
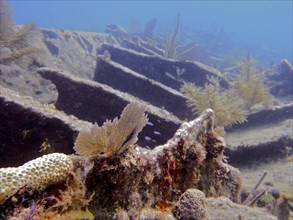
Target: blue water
267	24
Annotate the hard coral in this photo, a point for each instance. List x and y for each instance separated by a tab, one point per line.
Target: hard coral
36	174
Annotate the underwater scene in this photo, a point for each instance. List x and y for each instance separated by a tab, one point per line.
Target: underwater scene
146	110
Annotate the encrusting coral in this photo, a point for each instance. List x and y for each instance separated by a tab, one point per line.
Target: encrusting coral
132	178
228	107
113	135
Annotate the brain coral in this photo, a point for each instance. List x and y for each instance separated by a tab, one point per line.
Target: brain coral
36	174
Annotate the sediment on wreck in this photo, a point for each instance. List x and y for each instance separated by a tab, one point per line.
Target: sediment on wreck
96	102
274	135
30	129
124	79
169	72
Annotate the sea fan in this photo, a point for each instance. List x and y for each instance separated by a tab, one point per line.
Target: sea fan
114	135
228	108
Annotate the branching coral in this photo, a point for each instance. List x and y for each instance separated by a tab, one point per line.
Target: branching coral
229	108
113	135
15	43
250	85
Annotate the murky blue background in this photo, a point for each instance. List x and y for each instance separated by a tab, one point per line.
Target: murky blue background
267	24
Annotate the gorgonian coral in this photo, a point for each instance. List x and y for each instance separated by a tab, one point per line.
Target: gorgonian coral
228	107
250	85
113	135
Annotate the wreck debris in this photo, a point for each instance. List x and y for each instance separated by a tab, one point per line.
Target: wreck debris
281	79
251	197
126	80
26	125
244	148
163	70
74	99
257	197
150	26
117	31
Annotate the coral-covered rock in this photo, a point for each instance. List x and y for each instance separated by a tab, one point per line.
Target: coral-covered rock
158	177
191	205
136	178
